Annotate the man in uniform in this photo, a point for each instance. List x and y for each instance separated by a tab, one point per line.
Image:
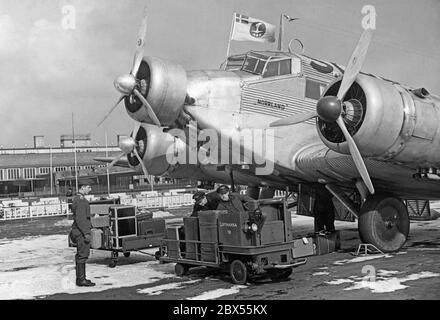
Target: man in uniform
201	203
324	211
204	202
80	234
233	202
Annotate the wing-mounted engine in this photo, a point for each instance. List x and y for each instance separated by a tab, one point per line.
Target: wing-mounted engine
152	145
387	121
164	85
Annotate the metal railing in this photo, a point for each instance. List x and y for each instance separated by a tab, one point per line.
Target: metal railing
60	209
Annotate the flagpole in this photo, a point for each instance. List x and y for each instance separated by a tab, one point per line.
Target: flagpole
230	34
74	151
280	36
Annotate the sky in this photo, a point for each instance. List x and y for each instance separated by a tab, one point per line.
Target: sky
48	72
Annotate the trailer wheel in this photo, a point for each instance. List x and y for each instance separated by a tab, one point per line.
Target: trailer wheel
280	274
157	255
239	272
126	254
181	269
114	259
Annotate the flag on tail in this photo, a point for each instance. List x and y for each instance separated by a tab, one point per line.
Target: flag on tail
250	29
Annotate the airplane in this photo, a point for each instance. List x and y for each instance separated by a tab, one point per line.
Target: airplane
333	126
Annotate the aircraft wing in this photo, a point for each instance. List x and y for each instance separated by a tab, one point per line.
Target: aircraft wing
120	163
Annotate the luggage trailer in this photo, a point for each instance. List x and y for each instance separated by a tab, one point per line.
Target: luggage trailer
253	244
120	230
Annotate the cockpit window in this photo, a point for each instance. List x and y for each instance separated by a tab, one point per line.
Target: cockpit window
278	68
254	65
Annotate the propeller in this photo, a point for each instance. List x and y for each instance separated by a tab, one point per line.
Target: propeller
329	108
129	145
128	84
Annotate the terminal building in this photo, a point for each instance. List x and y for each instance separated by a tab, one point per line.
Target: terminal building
50	171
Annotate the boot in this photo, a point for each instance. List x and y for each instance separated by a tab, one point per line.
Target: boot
81	280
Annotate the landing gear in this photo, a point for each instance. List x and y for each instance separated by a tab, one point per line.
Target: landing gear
384	222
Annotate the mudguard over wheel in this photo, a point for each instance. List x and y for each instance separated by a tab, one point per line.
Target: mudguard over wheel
384	222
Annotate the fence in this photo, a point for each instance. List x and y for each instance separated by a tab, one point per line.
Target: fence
49	210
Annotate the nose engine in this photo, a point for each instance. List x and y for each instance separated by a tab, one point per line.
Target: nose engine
164	86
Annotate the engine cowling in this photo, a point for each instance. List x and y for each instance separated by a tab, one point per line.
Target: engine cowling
387	121
153	145
164	85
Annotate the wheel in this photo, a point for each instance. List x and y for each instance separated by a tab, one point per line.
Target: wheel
181	269
277	275
384	222
239	272
114	259
126	254
157	255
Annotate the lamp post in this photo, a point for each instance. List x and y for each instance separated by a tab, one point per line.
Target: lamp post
108	174
74	151
51	170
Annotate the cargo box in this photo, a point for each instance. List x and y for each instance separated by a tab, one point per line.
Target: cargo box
96	238
100	222
327	244
191	228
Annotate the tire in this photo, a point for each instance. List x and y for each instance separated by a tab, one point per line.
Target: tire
239	272
157	255
181	269
384	223
113	263
277	275
126	254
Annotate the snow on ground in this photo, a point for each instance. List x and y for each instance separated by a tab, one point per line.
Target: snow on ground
41	266
362	259
153	291
162	214
384	283
391	284
214	294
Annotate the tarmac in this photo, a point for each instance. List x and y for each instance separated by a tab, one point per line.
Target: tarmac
36	263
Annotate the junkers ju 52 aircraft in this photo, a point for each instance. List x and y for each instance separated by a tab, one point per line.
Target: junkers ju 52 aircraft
350	131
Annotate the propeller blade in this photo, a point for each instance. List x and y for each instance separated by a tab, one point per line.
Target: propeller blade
356	155
150	110
140	44
144	169
356	61
136	129
111	164
111	110
294	119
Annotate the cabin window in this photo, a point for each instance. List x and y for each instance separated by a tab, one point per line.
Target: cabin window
278	68
314	89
